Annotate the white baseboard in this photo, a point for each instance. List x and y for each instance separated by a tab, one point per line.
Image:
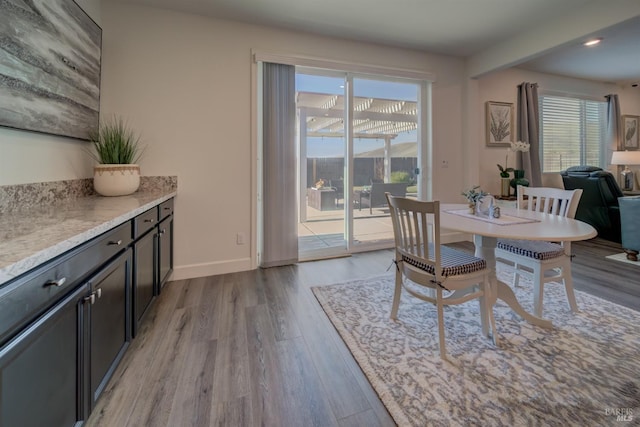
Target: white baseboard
191	271
210	268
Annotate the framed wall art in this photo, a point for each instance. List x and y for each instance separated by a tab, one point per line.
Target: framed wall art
630	132
50	60
500	123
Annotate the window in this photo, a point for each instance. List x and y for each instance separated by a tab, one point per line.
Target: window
572	132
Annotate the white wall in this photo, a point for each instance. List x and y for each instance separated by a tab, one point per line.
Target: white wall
27	157
502	86
185	82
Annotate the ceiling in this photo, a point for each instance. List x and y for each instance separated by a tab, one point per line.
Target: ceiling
615	59
463	28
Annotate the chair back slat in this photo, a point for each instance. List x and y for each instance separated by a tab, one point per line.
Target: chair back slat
416	227
554	201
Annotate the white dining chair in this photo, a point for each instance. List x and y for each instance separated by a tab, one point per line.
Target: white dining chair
534	258
453	276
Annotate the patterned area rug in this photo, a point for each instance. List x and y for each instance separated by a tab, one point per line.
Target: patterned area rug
583	372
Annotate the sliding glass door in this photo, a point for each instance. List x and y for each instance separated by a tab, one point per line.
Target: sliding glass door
385	154
358	137
321	148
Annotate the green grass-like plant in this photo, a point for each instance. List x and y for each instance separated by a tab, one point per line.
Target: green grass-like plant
116	143
400	176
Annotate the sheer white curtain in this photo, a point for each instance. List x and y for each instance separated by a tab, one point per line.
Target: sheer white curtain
279	216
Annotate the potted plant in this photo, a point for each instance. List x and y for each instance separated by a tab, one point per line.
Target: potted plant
504	179
117	151
473	196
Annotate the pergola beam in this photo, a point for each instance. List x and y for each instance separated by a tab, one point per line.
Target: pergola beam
355	135
360	115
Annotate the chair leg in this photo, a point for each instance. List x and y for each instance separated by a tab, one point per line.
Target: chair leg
484	320
396	295
567	280
439	305
538	290
631	254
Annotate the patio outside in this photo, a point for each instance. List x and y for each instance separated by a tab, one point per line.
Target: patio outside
323	231
385	153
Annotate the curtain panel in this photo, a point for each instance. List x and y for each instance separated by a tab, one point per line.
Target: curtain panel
279	214
614	141
529	131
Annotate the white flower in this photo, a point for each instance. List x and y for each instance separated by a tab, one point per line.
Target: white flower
519	146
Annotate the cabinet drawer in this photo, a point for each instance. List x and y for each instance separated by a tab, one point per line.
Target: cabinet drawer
145	222
27	297
165	209
106	246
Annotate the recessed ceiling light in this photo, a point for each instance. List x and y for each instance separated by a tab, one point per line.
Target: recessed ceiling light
593	42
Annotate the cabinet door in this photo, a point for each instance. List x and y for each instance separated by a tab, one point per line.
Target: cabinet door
39	369
165	249
109	322
144	278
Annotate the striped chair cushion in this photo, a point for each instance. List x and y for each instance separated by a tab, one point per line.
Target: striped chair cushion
454	262
530	248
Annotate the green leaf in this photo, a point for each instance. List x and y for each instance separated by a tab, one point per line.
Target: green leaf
116	143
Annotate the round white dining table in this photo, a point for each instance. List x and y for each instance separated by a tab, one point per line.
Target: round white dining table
513	224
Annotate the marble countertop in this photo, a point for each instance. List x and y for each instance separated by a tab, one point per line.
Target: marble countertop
34	236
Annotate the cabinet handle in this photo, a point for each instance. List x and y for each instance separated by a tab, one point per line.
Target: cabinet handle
91	299
167	208
149	221
164	230
56	283
114	243
98	293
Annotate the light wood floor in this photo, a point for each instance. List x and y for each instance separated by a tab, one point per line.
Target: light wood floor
255	349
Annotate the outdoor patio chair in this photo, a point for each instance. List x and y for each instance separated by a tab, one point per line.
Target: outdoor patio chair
541	256
375	197
454	276
338	186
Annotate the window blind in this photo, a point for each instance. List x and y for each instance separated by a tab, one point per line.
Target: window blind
573	132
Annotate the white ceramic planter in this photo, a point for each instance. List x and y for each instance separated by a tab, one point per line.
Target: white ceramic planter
116	180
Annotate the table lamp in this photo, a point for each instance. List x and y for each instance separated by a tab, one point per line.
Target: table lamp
626	158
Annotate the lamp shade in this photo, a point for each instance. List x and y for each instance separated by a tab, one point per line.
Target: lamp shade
625	158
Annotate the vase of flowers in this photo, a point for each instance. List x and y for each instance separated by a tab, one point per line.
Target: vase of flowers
505	182
474	195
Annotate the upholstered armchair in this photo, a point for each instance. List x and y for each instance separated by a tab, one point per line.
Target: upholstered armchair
599	202
630	223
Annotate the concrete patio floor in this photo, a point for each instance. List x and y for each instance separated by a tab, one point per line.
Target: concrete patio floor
323	231
322	235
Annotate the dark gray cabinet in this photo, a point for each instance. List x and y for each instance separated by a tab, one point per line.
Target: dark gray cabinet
145	276
53	372
39	369
165	242
65	325
108	324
